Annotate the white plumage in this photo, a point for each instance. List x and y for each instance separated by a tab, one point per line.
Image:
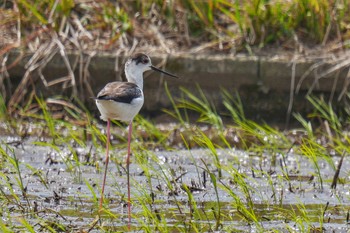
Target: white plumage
111	109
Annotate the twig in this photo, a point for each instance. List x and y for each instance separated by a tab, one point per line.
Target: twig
324	210
63	103
40	59
4	75
334	85
306	74
291	93
58	80
26	41
160	38
67	63
345	86
93	224
87	73
336	174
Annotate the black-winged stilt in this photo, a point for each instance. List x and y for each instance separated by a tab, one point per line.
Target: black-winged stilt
122	101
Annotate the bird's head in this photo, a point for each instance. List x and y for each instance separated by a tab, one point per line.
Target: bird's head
140	62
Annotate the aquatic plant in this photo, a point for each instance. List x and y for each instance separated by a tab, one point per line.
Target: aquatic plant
214	188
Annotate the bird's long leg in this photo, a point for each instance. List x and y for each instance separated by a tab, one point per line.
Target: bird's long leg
107	160
128	173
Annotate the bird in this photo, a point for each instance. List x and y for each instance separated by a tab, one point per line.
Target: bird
122	101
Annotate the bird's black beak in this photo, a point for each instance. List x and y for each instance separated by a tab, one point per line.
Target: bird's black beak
162	71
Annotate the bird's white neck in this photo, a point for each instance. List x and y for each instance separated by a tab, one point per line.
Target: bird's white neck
134	76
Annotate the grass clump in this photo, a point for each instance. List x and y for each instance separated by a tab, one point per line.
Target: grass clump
207	185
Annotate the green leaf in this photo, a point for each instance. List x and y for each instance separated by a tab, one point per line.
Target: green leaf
32	8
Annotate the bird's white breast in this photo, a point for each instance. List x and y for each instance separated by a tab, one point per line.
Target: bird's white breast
111	109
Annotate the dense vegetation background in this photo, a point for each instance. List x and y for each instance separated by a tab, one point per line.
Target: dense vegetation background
44	28
224	26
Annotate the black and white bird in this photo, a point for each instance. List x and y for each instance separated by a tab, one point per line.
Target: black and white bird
122	101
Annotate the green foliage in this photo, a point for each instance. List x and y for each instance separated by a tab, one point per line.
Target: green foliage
176	114
3	110
32	10
236	195
326	112
252	22
103	15
46	11
215	184
263	22
205	142
201	105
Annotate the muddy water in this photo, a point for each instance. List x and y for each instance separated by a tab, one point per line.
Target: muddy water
285	191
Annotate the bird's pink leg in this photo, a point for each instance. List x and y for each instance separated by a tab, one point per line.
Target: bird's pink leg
107	160
128	173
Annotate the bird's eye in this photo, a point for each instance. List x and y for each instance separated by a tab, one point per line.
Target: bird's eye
141	58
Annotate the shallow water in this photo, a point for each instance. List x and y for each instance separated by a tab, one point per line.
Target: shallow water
285	192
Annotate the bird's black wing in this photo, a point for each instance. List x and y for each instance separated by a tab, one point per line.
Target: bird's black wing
123	92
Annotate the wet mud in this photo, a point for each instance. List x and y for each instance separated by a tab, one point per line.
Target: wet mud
229	190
